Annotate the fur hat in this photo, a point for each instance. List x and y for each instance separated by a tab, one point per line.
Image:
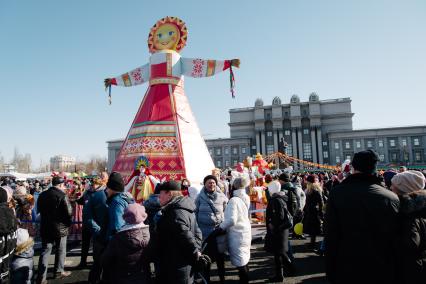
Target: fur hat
134	214
365	161
20	190
206	178
408	181
115	182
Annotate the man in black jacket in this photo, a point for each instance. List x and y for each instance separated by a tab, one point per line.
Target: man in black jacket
178	236
361	227
56	216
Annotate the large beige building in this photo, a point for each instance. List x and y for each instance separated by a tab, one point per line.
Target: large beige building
315	130
62	163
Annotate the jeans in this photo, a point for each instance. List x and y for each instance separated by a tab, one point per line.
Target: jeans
96	270
43	262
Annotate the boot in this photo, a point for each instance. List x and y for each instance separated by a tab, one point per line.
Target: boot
288	266
278	270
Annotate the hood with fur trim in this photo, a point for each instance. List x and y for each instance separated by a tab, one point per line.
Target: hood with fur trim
414	203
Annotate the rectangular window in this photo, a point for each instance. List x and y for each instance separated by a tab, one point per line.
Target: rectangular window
382	157
336	145
305	131
325	154
211	151
269	149
416	141
243	150
269	133
380	143
404	142
369	144
358	144
418	156
226	151
348	157
337	159
347	145
290	150
234	151
219	163
226	163
235	162
287	132
394	157
392	143
324	143
218	151
307	151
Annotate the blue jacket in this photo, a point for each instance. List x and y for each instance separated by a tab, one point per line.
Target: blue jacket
116	206
95	213
21	267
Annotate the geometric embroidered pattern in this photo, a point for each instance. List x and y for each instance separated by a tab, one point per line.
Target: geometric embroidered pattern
151	146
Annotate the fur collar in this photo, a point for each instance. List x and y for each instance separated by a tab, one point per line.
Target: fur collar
24	246
414	202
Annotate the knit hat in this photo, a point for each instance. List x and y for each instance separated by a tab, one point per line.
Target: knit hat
115	182
3	195
284	177
311	178
209	177
274	187
22	236
169	186
365	161
20	190
408	181
56	180
134	214
23	240
387	176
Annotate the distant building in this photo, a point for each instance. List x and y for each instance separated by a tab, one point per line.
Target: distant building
62	163
319	131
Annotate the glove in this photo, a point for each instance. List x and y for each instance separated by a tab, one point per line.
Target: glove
202	262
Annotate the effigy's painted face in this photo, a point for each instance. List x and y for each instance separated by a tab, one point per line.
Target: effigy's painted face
166	37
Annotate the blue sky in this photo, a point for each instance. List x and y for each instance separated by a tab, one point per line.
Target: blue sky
54	56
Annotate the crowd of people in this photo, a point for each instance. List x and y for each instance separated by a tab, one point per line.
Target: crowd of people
373	223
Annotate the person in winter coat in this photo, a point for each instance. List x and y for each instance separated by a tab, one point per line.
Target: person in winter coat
56	215
117	202
409	186
238	228
210	207
313	214
23	209
21	267
178	237
95	217
278	223
361	225
8	226
123	255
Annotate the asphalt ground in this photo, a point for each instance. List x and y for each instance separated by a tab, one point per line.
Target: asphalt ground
310	268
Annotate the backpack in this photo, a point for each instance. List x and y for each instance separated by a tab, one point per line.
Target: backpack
284	215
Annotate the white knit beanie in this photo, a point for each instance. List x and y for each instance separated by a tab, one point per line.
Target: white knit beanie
22	236
274	187
408	181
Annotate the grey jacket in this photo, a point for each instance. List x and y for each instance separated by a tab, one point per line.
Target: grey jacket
210	210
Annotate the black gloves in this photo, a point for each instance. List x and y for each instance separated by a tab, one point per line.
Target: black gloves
202	262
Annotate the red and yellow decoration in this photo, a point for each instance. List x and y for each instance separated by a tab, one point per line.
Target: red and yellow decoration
169	33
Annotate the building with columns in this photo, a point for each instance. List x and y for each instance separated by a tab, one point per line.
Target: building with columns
318	131
302	125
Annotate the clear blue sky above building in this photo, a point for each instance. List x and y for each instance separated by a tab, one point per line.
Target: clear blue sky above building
54	56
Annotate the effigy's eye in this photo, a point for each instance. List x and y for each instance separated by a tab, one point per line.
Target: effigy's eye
170	33
159	35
